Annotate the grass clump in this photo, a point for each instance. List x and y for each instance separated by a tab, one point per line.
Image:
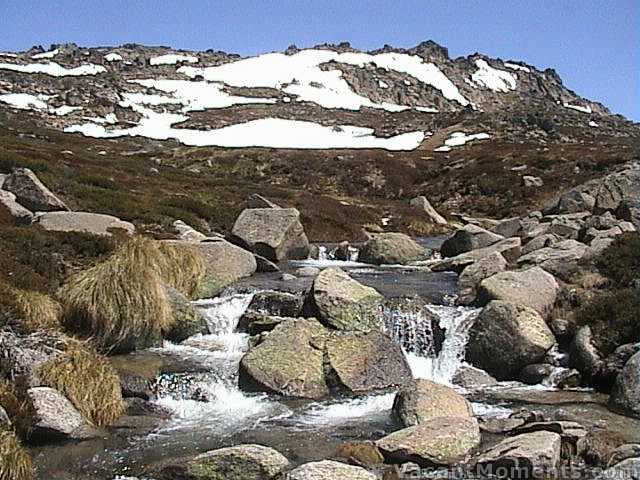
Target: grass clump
88	380
16	402
15	462
28	310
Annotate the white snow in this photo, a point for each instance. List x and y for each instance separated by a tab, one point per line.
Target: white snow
515	66
55	70
8	54
113	57
593	124
492	78
40	56
457	139
26	101
64	110
300	74
172	59
383	84
426	109
579	108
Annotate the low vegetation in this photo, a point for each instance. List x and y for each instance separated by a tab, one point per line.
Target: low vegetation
27	310
15	462
17	404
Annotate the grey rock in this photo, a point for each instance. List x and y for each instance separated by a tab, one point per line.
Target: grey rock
625	396
83	222
308	272
391	248
509	248
530	181
31	193
5	421
187	233
583	354
187	320
281	304
20	215
264	265
509	227
628	469
329	470
539	242
470	237
472	275
565	228
423	204
226	263
471	377
557	257
535	373
258	201
624	452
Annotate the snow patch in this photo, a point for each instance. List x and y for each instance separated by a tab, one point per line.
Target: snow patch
457	139
515	66
40	56
593	124
172	59
26	101
492	78
579	108
8	54
55	70
426	109
113	57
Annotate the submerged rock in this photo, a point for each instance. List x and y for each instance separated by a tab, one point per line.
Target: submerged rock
391	249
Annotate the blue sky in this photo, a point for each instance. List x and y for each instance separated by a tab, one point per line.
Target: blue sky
593	44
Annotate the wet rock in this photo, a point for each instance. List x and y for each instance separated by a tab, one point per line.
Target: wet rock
187	320
471	276
343	303
535	373
139	407
391	248
20	215
256	323
439	441
55	417
421	400
241	462
572	435
470	237
281	304
361	453
31	193
274	233
226	264
523	456
423	204
500	425
507	337
471	377
510	249
626	470
533	288
84	222
625	396
329	470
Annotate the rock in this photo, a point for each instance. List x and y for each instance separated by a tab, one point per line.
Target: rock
20	215
583	355
624	452
365	362
527	455
240	462
287	277
615	189
576	200
187	320
535	373
281	304
423	204
361	453
265	266
274	233
625	396
532	288
256	323
84	222
346	252
391	249
472	275
422	400
5	421
436	442
22	355
187	233
497	425
308	272
610	367
506	337
289	361
226	264
565	228
564	378
532	182
541	241
329	470
471	377
626	470
470	237
343	303
601	222
55	417
508	228
572	435
593	234
510	249
31	193
630	210
258	201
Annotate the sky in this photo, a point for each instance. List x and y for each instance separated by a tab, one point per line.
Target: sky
593	44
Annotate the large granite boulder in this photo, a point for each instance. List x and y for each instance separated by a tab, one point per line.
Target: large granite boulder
343	303
436	442
391	249
274	233
226	263
83	222
471	276
31	193
507	337
628	469
618	188
625	396
20	215
533	288
329	470
422	400
423	204
509	248
470	237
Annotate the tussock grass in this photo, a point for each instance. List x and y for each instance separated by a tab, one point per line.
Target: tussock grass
89	381
183	267
29	310
18	405
15	462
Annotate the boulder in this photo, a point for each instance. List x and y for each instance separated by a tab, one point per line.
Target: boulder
22	355
583	354
55	417
471	377
507	337
528	455
625	396
422	400
572	434
391	248
630	211
256	323
31	193
470	237
530	181
628	469
186	233
535	373
576	200
556	258
533	288
541	241
343	303
265	266
281	304
187	320
329	470
509	227
472	275
436	442
609	369
365	362
422	203
20	215
616	189
364	453
509	248
624	452
274	233
226	264
240	462
308	272
84	222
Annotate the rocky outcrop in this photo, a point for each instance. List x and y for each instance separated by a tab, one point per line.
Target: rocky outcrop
329	470
436	442
31	193
532	288
422	203
471	276
343	303
274	233
470	237
555	258
391	248
20	215
625	396
422	400
507	337
226	263
83	222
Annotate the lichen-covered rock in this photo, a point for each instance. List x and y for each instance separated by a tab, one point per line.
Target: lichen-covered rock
83	222
557	257
507	337
225	264
438	441
343	303
421	400
625	396
274	233
391	248
329	470
31	193
470	237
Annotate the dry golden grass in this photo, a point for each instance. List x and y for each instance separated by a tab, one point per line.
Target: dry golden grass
89	381
28	310
17	404
15	462
183	268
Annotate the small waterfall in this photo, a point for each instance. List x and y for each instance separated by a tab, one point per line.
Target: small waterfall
323	256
